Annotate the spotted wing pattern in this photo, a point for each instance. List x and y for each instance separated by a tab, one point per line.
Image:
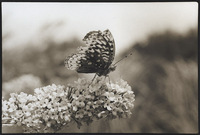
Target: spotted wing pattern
96	57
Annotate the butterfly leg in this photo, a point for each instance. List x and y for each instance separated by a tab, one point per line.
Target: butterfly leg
94	77
108	78
92	80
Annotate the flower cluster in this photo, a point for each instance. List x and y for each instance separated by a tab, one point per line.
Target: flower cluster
45	111
53	106
100	99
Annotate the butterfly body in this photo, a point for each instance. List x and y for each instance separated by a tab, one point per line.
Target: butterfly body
96	56
107	71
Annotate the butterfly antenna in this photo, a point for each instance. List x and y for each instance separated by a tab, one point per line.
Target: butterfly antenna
123	58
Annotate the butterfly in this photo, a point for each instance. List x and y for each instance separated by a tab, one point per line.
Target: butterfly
96	57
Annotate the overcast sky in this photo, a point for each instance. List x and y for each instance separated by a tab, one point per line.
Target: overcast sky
128	22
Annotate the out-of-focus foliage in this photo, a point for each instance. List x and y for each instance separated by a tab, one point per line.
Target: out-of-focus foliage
48	64
162	72
26	82
170	46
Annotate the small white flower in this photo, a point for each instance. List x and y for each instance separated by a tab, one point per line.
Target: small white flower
27	114
67	118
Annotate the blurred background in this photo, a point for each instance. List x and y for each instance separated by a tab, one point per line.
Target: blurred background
36	38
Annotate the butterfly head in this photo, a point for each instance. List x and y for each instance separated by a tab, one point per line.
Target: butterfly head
112	68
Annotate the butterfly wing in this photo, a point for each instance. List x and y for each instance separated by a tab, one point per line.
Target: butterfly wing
96	56
80	63
111	44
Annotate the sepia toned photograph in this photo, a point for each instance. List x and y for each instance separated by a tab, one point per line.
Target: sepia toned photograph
100	67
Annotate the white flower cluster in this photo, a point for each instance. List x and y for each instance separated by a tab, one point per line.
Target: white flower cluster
100	100
54	106
45	111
